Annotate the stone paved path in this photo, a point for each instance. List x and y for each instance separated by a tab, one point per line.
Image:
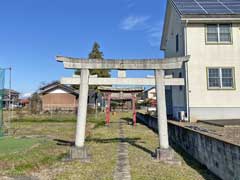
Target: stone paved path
122	171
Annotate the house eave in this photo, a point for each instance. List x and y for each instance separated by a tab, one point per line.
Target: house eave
210	18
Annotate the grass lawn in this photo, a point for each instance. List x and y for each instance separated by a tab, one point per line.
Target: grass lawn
36	150
10	145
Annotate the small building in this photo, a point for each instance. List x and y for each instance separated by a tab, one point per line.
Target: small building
58	97
10	98
150	93
24	102
208	31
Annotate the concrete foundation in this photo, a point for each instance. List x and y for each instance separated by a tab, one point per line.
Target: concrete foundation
79	153
166	156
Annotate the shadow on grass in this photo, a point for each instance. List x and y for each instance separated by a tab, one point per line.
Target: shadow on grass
97	123
131	141
190	161
46	120
61	142
128	120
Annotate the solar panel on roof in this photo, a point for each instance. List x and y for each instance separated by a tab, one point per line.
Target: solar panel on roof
208	6
214	8
188	6
234	5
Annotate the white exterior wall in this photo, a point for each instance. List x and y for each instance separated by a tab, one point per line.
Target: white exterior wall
57	91
212	104
152	94
176	27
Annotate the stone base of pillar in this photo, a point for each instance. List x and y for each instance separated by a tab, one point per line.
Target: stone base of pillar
78	153
166	156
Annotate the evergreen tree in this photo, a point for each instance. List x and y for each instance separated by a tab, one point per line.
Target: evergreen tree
96	54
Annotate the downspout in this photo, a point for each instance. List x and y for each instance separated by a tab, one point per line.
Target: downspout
186	72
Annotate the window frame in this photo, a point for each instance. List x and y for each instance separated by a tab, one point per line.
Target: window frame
221	79
218	34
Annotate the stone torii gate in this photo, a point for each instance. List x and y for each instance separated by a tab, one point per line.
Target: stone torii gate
160	81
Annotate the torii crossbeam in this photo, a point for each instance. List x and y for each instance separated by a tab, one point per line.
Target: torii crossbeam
160	80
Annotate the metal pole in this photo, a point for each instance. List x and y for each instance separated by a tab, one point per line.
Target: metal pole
10	98
1	101
186	73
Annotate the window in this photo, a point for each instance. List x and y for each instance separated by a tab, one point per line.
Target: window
220	78
225	32
177	43
219	33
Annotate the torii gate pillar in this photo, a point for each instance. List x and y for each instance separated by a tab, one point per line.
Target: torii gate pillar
80	151
161	109
134	110
82	109
164	152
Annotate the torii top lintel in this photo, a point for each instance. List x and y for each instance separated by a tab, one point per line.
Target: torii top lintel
137	64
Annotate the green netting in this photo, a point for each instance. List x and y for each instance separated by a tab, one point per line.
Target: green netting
2	80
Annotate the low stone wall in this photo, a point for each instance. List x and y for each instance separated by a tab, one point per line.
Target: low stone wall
220	157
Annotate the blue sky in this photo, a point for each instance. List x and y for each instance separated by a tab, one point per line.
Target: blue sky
33	32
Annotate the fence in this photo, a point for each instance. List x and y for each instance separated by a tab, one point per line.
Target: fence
59	107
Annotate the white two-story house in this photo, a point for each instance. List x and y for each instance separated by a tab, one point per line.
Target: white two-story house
208	31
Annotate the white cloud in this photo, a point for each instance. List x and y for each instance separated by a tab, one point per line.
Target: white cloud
154	34
134	22
151	29
130	3
26	95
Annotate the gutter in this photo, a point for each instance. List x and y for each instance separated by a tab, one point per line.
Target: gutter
210	20
186	72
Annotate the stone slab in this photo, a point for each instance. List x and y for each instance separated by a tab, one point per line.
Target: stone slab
78	153
123	81
143	64
166	156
